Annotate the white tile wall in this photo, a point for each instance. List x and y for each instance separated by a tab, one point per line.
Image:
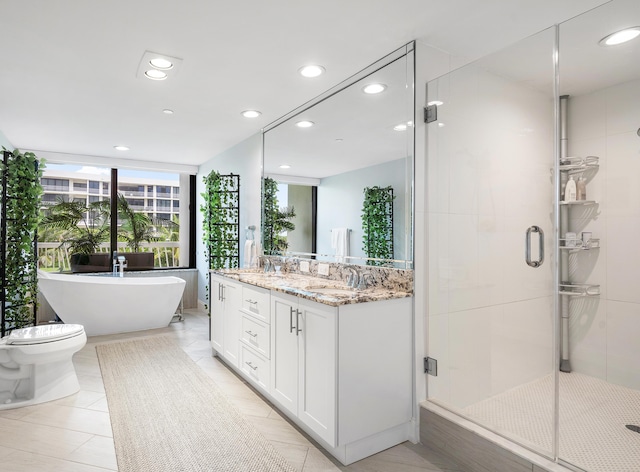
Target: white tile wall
605	332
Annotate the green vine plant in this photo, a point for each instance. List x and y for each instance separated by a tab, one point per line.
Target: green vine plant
276	219
221	215
22	194
377	223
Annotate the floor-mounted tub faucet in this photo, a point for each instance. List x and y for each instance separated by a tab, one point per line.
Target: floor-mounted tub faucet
119	264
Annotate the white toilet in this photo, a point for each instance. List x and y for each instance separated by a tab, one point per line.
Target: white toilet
36	365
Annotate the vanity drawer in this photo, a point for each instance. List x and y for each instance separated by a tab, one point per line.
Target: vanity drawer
257	302
256	334
255	367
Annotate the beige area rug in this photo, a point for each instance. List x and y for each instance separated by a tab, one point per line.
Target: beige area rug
167	415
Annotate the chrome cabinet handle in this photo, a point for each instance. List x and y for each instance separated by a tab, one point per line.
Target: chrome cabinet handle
251	334
219	292
222	287
251	365
527	248
298	330
291	327
251	302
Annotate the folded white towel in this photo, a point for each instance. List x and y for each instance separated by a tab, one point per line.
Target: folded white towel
340	243
247	253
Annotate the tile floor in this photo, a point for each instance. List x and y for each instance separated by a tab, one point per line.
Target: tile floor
593	415
73	434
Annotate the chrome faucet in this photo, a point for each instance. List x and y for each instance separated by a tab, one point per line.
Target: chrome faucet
353	280
119	264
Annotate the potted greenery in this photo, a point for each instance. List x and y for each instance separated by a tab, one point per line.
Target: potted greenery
82	228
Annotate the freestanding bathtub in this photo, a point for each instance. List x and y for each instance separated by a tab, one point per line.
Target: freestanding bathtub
108	305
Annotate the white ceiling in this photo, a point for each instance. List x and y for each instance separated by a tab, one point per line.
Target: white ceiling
68	67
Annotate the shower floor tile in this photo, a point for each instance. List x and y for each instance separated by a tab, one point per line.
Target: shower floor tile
593	415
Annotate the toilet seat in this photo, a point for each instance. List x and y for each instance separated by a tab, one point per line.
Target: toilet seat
43	334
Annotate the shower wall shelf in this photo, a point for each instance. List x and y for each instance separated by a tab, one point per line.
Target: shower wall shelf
579	164
579	202
579	244
579	290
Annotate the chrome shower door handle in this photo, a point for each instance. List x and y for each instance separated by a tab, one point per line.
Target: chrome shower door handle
527	246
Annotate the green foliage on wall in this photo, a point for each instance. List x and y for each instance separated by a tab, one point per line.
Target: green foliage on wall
377	223
22	194
275	220
221	213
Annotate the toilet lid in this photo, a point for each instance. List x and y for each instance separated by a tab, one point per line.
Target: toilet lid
44	333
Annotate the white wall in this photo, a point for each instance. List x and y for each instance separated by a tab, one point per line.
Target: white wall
605	331
488	180
244	159
340	200
4	142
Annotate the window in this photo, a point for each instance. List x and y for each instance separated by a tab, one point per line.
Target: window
176	192
56	185
72	183
163	191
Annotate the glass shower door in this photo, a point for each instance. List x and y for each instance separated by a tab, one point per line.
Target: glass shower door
600	391
491	211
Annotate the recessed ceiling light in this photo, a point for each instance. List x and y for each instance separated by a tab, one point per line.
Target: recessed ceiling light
620	37
400	127
121	148
374	88
161	63
251	113
304	124
154	74
441	125
285	166
167	111
311	71
435	102
339	140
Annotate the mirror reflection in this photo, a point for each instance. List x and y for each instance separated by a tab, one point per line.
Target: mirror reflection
341	171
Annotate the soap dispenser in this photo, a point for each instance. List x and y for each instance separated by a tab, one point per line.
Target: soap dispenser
570	190
581	189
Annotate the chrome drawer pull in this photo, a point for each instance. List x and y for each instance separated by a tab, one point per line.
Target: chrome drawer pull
251	302
251	365
251	334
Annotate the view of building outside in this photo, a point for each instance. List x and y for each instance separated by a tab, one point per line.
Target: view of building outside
155	194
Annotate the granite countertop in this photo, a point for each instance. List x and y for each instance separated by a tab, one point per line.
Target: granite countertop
326	291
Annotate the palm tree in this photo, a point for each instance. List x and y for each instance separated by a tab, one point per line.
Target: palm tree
136	227
82	227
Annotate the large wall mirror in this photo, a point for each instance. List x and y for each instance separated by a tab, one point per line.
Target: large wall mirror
359	136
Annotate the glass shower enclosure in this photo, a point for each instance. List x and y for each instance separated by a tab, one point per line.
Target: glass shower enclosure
534	307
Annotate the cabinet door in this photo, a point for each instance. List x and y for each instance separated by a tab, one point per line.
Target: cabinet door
217	313
284	357
317	373
232	300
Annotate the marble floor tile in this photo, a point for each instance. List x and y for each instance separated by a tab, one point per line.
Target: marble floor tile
71	418
99	451
21	461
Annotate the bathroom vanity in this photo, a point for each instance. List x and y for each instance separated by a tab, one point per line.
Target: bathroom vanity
336	361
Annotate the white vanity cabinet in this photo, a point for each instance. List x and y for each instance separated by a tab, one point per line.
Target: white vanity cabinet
343	373
255	336
225	317
303	365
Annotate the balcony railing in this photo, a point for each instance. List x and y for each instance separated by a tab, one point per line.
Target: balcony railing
55	258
